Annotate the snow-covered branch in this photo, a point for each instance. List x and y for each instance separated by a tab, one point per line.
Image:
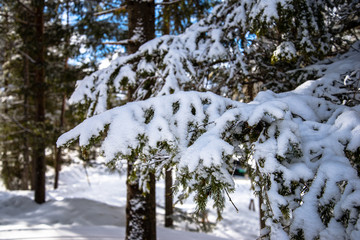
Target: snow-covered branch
303	160
301	147
216	53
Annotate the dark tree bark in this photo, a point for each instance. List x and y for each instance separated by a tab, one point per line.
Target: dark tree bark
140	210
169	210
58	158
140	207
141	18
39	151
27	166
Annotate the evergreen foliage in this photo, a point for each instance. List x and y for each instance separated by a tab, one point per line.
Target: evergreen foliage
297	159
215	53
300	146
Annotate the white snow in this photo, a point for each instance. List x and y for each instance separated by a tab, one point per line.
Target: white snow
93	207
286	51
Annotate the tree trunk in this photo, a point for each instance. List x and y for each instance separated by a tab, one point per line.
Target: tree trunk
58	158
140	210
166	19
140	207
141	18
39	145
169	210
27	167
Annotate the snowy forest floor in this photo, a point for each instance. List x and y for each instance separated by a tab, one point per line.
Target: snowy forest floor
90	204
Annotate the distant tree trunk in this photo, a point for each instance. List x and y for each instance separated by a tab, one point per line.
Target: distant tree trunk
27	166
5	163
166	19
169	210
141	18
39	145
140	207
58	158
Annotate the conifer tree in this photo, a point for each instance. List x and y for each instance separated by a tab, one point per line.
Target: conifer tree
292	142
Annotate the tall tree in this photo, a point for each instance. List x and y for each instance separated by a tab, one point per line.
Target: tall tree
39	57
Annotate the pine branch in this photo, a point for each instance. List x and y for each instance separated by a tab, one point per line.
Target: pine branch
26	7
114	10
122	42
7	117
24	22
167	3
27	56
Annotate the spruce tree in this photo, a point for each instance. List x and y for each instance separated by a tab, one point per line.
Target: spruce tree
278	136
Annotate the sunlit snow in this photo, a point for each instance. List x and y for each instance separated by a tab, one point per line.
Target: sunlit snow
93	207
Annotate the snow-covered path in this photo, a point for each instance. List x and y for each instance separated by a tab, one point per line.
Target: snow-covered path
90	232
47	232
93	208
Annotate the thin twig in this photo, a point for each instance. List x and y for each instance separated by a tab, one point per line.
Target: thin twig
237	210
202	125
24	22
87	175
352	47
27	56
155	159
7	117
167	3
123	42
26	7
123	8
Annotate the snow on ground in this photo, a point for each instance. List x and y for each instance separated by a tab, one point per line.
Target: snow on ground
90	204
